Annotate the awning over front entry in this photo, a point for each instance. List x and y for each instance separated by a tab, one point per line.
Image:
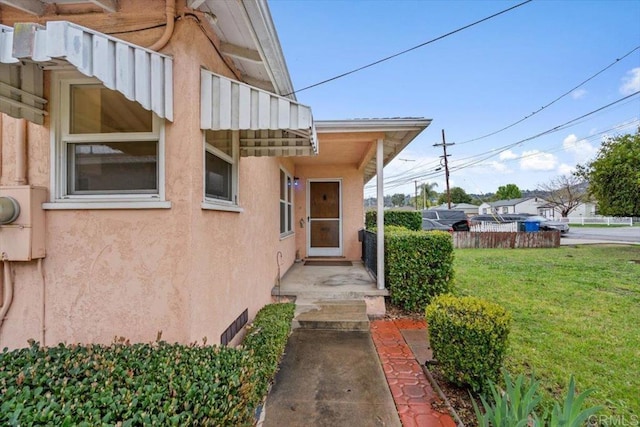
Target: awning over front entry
269	124
142	75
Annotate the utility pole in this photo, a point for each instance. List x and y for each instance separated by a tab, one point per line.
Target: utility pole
444	146
416	183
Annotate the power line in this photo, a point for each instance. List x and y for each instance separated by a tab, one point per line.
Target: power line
418	171
492	153
410	49
555	100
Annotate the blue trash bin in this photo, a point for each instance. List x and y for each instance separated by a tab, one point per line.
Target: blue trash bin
531	226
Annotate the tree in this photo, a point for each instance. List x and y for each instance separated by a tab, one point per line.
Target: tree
509	191
426	196
397	199
614	176
565	193
458	195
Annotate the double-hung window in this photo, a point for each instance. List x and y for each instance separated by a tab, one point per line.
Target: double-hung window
221	170
286	203
108	148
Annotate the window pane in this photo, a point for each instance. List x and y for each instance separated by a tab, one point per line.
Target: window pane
96	109
289	188
289	215
282	176
221	140
217	177
282	218
113	167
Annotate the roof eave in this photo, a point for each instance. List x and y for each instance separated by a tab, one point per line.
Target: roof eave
266	36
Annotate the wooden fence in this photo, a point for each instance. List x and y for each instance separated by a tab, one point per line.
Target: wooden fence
539	239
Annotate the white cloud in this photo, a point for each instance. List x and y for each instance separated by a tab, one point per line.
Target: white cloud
565	169
508	155
582	150
631	82
578	94
499	167
536	160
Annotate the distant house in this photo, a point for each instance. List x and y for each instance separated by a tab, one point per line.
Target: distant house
583	210
530	205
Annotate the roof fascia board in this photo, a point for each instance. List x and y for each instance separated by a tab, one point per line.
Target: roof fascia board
373	125
266	39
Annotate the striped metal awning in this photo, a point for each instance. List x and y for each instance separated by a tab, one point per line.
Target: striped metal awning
140	74
269	124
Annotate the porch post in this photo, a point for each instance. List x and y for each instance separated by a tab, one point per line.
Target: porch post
380	213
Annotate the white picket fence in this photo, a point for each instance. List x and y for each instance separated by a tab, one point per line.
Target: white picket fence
608	220
489	227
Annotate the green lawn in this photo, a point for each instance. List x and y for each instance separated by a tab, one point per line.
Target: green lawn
576	311
603	225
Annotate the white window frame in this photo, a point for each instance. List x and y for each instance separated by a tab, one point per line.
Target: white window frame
212	203
61	83
288	204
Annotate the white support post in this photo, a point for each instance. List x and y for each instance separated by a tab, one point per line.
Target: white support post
380	212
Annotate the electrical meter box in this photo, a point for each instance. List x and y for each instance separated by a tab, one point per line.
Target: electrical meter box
23	239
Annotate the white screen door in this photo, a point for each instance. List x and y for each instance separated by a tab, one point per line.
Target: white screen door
324	214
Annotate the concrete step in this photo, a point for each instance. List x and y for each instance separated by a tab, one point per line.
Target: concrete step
331	314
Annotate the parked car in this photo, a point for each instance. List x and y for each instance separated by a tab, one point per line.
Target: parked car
430	224
451	217
545	223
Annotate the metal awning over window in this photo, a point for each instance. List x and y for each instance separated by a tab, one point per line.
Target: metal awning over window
142	75
269	125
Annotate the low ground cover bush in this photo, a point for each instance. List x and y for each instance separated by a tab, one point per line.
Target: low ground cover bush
468	336
150	384
411	220
266	339
418	266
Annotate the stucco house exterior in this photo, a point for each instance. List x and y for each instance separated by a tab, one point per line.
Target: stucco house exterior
528	205
163	171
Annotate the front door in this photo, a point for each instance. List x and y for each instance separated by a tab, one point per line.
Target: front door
324	210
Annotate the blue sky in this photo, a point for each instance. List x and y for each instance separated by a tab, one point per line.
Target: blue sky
471	83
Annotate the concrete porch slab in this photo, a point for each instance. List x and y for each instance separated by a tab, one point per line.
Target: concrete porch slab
333	282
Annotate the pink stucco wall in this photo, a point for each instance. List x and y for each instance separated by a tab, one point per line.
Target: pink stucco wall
185	271
352	205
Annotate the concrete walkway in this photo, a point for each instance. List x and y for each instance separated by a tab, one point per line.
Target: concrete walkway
350	378
330	378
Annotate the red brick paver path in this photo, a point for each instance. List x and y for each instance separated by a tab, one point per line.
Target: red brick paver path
409	385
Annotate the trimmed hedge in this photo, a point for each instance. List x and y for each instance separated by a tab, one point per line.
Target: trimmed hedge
411	220
160	384
266	339
468	336
143	384
418	266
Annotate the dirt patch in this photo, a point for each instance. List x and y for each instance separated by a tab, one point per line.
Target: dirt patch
458	398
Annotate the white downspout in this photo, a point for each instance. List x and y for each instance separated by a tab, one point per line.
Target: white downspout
380	213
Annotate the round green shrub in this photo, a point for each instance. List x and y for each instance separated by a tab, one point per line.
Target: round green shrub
418	266
468	336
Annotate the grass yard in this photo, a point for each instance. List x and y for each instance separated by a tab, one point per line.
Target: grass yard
576	310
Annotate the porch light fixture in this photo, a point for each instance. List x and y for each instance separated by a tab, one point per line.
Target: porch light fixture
296	181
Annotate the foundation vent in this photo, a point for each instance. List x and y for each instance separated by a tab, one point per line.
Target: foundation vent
234	327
